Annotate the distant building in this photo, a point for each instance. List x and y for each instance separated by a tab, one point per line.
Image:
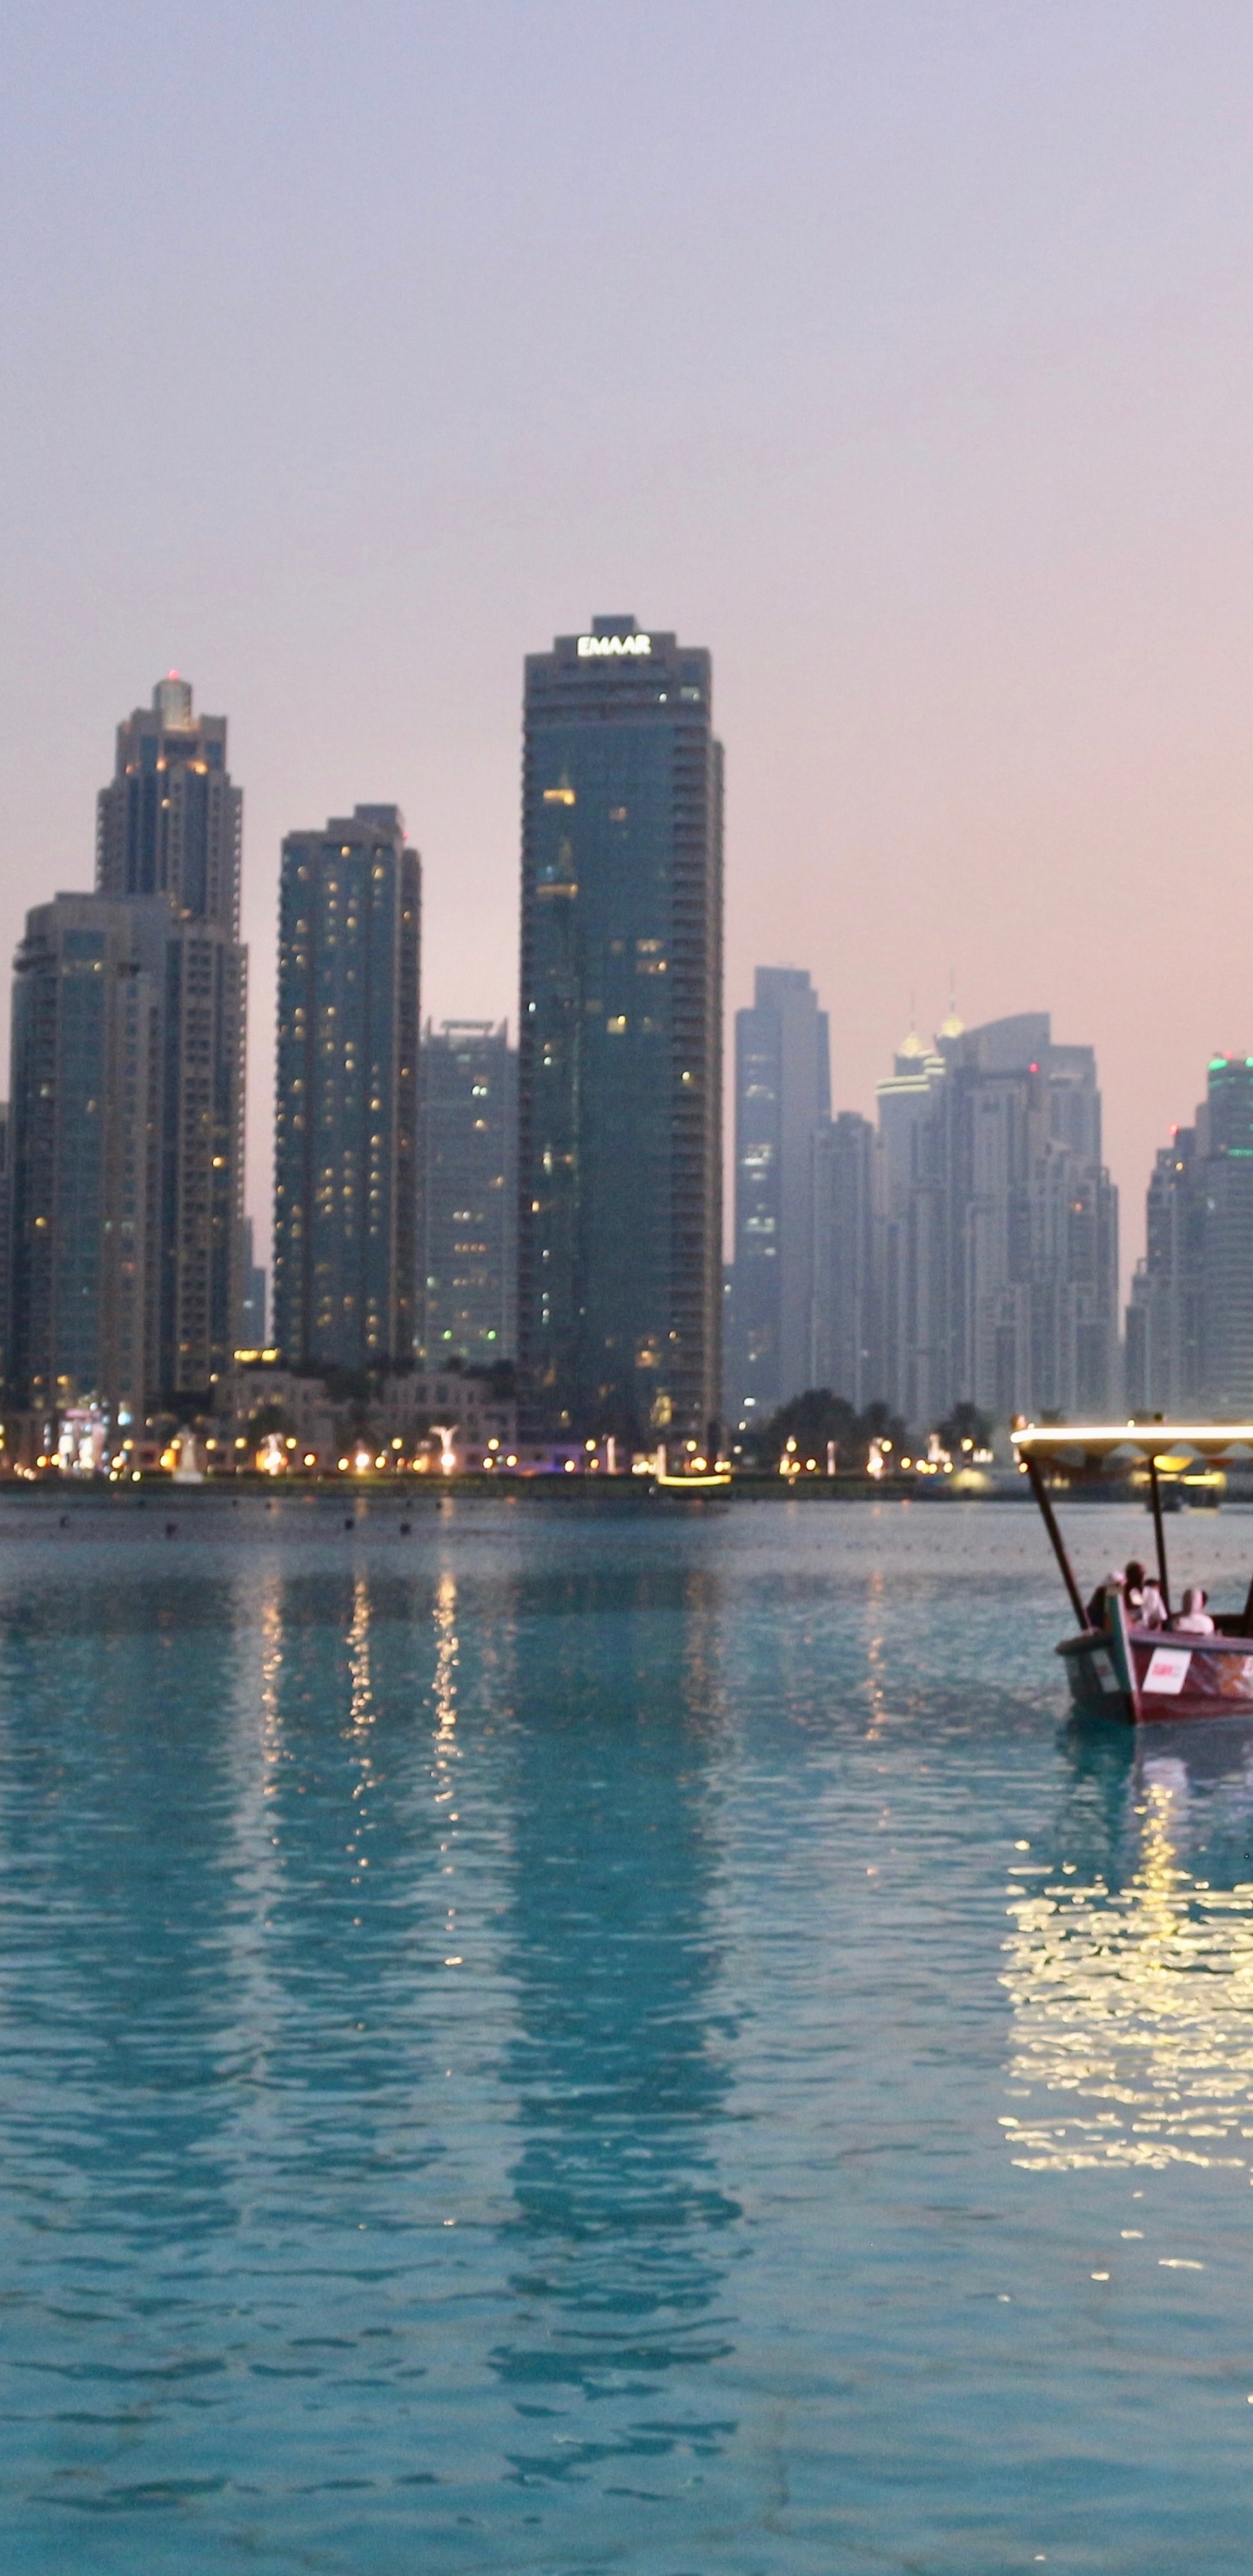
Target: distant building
168	828
88	1152
619	1075
345	1190
782	1094
253	1312
469	1192
997	1227
6	1236
844	1353
1190	1319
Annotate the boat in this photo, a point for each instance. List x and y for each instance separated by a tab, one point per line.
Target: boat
1118	1669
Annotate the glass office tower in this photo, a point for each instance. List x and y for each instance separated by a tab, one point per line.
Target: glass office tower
345	1166
469	1192
620	1059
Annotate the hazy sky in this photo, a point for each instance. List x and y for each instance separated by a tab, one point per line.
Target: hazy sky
901	354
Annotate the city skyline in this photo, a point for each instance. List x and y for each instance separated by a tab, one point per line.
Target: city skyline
937	431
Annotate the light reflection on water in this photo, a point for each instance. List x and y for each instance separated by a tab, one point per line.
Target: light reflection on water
1133	2005
502	2045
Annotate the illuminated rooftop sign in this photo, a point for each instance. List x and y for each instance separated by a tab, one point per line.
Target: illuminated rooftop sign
611	647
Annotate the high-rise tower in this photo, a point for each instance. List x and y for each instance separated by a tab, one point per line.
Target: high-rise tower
345	1168
169	826
782	1093
469	1192
619	1075
86	1154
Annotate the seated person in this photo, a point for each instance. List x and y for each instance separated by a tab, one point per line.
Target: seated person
1098	1606
1133	1588
1152	1606
1194	1619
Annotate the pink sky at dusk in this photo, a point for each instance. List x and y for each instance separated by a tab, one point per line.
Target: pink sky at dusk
903	355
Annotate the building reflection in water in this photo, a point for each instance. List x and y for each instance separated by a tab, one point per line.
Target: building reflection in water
621	2237
1130	1965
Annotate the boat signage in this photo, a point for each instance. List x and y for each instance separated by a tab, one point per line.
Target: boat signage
1168	1669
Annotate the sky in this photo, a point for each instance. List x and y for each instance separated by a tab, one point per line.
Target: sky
901	354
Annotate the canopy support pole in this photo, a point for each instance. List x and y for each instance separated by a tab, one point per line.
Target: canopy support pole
1049	1518
1159	1534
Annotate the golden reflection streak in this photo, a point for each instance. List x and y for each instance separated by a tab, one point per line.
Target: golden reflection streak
361	1706
360	1722
1134	2011
447	1751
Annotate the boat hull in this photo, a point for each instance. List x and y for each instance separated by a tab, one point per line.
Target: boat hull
1142	1674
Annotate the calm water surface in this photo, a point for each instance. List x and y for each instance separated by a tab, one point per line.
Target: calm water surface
564	2043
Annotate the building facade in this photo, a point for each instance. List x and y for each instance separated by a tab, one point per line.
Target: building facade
168	830
1190	1319
782	1095
998	1227
87	1150
844	1351
345	1184
469	1192
619	1063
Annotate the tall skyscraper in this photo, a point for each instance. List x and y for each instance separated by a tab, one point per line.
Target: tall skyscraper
169	822
844	1353
619	1075
782	1094
469	1192
345	1213
999	1227
86	1153
1190	1320
168	826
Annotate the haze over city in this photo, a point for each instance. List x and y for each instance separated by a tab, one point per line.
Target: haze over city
899	353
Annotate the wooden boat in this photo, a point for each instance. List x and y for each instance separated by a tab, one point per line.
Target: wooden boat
1117	1669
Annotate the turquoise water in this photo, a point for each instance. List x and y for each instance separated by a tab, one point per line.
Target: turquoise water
572	2043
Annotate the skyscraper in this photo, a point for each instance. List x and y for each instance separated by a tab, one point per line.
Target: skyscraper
1000	1227
619	1076
782	1094
1190	1320
168	826
345	1171
86	1154
844	1353
469	1192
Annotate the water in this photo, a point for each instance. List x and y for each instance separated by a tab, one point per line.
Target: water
562	2043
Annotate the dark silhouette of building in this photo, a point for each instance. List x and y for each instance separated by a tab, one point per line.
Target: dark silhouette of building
469	1192
619	1076
345	1174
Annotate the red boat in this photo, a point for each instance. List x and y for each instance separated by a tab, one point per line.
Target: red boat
1117	1669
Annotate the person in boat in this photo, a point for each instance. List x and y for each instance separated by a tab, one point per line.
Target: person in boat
1152	1606
1133	1590
1194	1619
1098	1606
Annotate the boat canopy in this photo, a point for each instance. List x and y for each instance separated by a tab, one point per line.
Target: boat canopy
1090	1447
